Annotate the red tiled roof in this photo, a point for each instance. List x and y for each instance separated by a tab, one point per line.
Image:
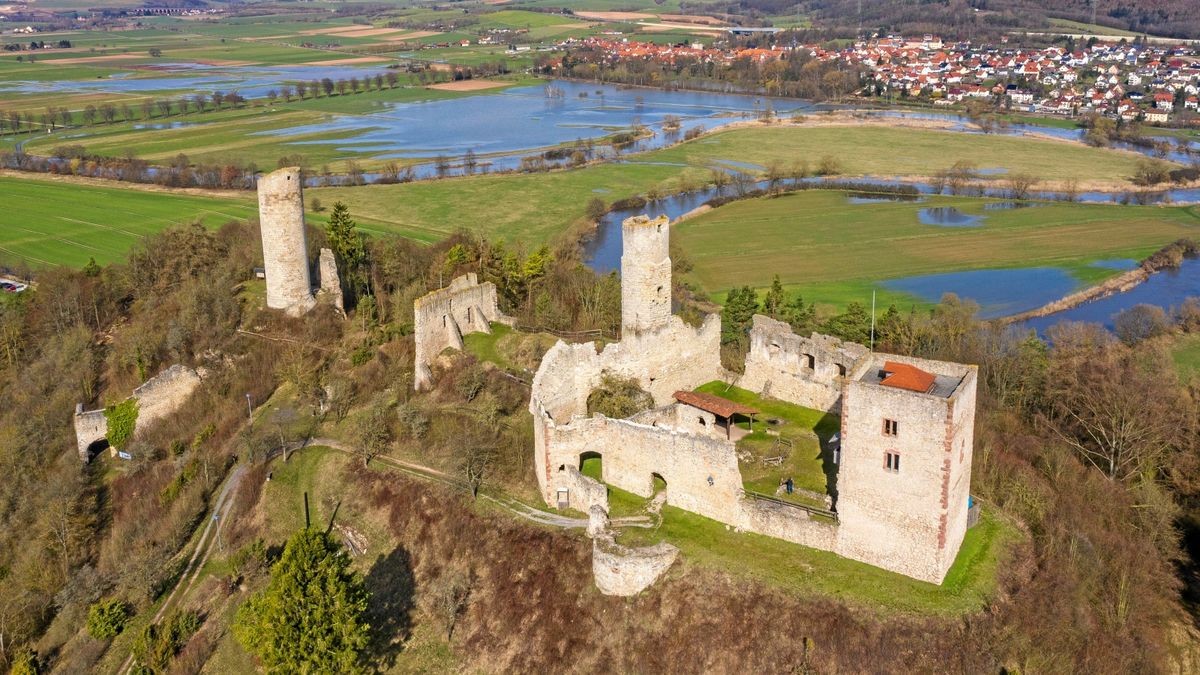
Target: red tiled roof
904	376
721	407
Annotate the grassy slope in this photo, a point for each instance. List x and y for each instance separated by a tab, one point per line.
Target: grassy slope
818	241
47	222
1186	354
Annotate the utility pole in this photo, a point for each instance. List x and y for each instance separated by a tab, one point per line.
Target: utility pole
249	410
872	320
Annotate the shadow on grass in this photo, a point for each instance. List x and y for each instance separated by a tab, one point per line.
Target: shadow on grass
390	608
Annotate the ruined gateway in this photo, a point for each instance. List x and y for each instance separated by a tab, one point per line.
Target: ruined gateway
906	432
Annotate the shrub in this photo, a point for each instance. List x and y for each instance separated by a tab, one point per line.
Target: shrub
107	618
122	420
618	398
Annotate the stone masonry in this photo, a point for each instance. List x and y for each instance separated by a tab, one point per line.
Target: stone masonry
442	317
907	515
285	251
158	398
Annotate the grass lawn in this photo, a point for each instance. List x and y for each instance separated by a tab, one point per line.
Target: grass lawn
826	247
807	463
969	584
1186	353
485	347
47	222
620	502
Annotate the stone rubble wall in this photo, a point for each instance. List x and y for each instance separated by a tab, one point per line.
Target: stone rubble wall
90	426
777	365
623	571
788	523
442	317
285	251
585	493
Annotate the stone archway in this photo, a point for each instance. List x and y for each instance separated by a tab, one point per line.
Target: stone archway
591	464
657	483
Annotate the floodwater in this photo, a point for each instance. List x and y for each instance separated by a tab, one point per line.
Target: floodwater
1164	289
948	216
998	292
521	119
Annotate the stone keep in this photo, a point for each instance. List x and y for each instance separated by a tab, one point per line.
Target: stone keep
911	518
285	251
645	274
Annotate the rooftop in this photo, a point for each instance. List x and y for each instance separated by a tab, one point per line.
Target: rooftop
908	377
721	407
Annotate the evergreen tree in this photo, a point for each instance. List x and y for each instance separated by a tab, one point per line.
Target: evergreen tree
310	618
347	246
773	303
740	308
801	316
854	324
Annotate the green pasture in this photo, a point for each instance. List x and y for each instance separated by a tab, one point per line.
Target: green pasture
818	242
46	222
1185	351
886	151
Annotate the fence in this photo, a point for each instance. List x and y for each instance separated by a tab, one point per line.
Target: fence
812	510
592	334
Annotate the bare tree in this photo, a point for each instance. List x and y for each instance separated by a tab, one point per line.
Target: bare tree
1020	184
448	597
469	162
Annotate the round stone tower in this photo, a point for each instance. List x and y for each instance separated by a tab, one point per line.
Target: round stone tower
285	251
645	274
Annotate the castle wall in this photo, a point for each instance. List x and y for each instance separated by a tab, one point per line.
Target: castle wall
443	316
807	371
285	252
90	426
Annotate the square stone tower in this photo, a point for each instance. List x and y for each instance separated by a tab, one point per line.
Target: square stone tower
645	274
904	478
285	251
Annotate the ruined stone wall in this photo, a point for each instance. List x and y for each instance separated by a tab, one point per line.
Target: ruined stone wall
163	394
583	492
90	426
788	523
632	453
911	521
331	281
623	571
645	274
158	398
807	371
285	252
442	317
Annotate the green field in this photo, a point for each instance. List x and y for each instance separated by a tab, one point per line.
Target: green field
1186	354
46	222
886	151
820	243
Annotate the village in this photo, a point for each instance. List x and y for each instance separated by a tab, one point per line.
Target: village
1151	83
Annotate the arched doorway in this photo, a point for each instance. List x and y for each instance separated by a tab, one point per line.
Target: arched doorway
591	465
657	483
96	447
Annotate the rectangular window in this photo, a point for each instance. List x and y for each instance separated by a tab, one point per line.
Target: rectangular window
891	428
891	462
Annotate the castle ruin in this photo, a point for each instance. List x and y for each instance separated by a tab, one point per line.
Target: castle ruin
285	247
158	398
903	478
442	317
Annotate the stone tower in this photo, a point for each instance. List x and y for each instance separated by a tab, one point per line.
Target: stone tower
904	478
645	274
285	251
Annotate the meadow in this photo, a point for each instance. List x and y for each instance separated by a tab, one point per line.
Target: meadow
46	222
830	249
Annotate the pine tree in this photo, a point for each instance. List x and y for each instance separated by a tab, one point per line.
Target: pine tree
801	316
773	303
854	324
347	246
310	618
740	308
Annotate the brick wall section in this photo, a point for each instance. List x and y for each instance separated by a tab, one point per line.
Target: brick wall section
285	251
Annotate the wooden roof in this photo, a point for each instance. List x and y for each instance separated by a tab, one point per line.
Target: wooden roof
721	407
